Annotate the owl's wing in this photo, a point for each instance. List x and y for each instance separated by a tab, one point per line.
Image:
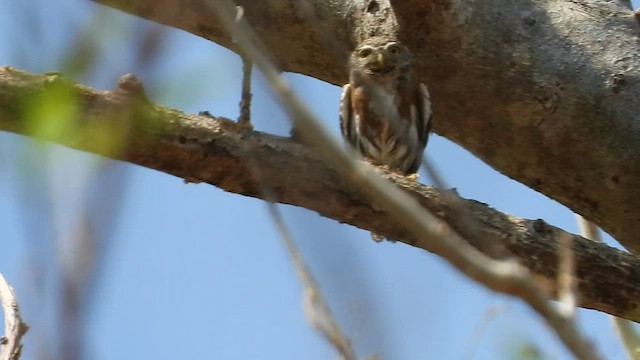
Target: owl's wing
346	125
423	122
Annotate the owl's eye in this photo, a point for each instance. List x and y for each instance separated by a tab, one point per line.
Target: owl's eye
364	52
394	49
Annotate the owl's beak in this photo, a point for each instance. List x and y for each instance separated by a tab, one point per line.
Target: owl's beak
378	63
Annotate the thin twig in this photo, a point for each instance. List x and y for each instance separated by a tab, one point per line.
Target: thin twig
14	328
588	230
625	328
433	234
244	117
566	276
490	314
456	206
325	34
315	306
630	338
245	101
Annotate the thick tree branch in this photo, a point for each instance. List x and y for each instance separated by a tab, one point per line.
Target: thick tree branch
220	152
544	91
429	232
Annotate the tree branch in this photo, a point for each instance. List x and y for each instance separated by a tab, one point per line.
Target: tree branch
14	328
429	232
530	87
222	153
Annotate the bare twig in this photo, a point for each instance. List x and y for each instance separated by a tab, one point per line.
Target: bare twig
337	48
630	338
244	119
566	277
77	269
625	328
315	306
588	229
245	101
433	234
468	224
14	328
490	314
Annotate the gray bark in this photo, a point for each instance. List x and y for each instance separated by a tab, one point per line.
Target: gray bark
543	91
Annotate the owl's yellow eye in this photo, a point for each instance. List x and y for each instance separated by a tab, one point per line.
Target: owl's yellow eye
394	49
364	52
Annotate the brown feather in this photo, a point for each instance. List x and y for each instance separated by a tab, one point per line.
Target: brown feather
384	114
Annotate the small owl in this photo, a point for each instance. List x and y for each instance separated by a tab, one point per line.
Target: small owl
384	113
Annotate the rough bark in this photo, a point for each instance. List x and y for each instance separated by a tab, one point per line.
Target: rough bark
543	91
219	152
14	327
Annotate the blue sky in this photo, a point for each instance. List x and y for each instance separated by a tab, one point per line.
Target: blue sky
189	271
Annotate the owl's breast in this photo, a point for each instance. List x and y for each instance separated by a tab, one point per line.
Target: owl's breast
382	119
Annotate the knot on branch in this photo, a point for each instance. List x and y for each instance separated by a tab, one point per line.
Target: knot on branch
132	86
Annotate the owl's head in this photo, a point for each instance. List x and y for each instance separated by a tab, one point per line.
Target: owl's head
377	58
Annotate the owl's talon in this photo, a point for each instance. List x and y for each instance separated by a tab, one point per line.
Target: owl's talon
246	125
377	237
206	113
412	177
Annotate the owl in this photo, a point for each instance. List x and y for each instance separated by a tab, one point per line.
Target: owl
385	114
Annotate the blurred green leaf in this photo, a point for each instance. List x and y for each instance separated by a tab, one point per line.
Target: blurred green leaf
52	114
